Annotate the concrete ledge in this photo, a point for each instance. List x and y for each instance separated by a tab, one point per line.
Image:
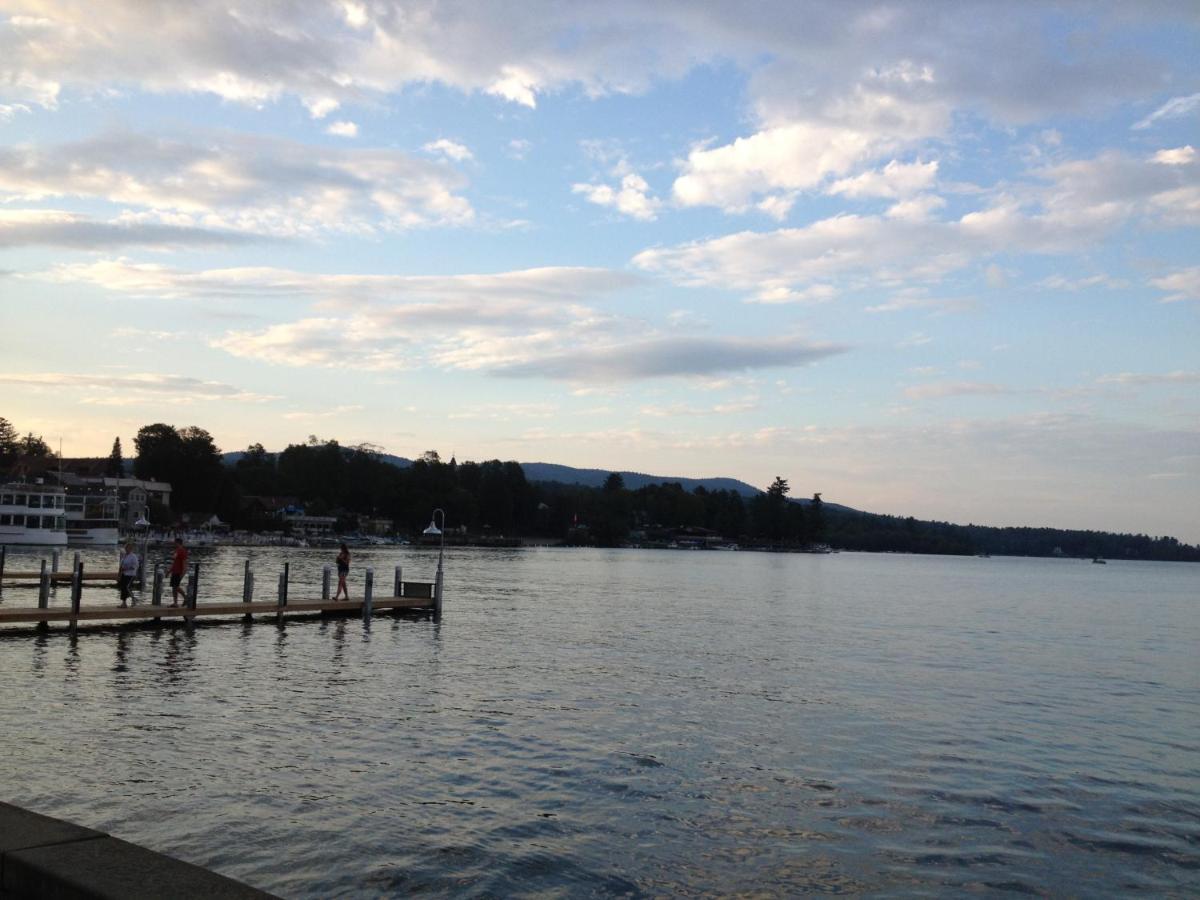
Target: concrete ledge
41	857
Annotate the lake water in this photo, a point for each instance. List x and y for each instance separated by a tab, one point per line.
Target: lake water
639	723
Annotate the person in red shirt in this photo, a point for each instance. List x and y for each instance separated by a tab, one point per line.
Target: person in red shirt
178	567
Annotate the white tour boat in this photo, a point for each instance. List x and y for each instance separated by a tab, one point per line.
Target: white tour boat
93	520
32	514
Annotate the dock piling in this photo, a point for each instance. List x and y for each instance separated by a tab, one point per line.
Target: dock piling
397	584
287	572
367	600
54	562
193	590
76	591
4	553
156	597
44	588
281	602
246	583
326	573
437	596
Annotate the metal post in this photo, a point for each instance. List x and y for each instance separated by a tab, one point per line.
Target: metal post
287	571
158	586
54	562
76	563
193	590
367	588
326	574
246	583
397	585
3	554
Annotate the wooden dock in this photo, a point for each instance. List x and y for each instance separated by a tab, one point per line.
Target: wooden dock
409	596
148	613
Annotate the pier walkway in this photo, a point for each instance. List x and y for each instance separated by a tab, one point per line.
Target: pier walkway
409	596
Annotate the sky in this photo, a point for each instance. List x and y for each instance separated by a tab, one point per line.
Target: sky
928	259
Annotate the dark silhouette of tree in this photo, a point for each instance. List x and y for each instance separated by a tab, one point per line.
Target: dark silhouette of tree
116	463
8	444
33	447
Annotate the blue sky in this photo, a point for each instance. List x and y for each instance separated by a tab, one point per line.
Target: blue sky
927	259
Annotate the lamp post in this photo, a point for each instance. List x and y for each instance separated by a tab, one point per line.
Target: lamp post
441	534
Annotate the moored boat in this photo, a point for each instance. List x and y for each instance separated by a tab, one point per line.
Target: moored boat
32	514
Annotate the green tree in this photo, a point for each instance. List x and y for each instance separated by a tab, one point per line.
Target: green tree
116	464
33	447
8	443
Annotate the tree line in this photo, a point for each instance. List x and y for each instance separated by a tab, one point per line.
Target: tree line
494	497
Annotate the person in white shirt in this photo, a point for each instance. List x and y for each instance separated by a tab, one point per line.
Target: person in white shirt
128	572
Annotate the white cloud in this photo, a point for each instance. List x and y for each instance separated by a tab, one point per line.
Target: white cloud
134	388
242	183
58	228
1062	283
1068	208
956	389
1139	378
1183	284
1176	156
631	198
342	129
895	180
518	148
1175	108
449	149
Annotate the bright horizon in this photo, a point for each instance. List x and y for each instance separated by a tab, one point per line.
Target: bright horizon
938	261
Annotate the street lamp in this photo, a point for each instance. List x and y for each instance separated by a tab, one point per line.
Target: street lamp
433	530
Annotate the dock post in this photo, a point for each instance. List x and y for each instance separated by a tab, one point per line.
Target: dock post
44	587
43	595
248	592
282	601
76	592
157	590
193	590
54	563
245	581
4	553
397	583
76	563
287	572
325	576
141	576
437	596
367	588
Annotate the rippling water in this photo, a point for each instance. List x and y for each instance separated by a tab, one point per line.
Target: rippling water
636	723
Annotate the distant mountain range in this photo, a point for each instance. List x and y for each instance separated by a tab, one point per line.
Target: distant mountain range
594	478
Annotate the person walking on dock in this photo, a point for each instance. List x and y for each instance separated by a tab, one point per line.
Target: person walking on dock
127	572
343	566
178	567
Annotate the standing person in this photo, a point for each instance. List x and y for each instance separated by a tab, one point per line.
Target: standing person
178	567
127	572
343	564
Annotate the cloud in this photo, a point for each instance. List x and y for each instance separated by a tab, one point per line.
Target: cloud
121	390
1062	209
687	410
910	299
1062	283
550	285
631	198
1176	156
1175	108
668	357
894	180
449	149
342	129
243	183
58	228
1138	378
956	389
1183	284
